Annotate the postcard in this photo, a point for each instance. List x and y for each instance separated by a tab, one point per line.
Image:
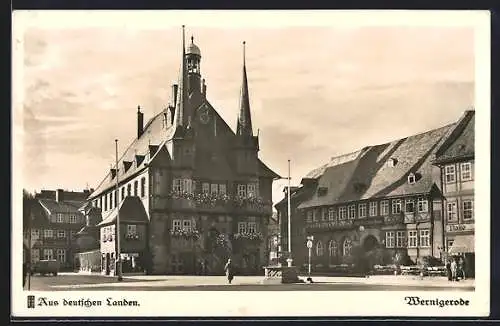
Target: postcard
250	163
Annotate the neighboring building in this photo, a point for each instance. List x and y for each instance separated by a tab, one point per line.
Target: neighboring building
205	193
381	196
54	224
88	241
455	157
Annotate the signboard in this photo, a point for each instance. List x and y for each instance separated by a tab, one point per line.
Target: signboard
459	227
309	244
369	221
339	224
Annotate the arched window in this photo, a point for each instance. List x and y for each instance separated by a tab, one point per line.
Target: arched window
347	247
319	248
333	248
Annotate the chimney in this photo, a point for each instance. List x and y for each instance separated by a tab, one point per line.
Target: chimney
140	122
59	195
203	88
174	94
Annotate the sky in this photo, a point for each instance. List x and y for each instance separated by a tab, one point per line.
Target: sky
317	89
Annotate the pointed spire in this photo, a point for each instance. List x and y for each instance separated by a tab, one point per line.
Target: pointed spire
244	126
181	92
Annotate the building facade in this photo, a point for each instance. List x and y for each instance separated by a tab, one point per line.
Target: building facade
385	196
55	220
205	192
455	158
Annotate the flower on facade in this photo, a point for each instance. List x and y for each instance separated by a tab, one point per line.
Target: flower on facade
216	199
248	236
185	233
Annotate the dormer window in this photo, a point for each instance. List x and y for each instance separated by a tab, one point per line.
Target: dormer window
392	162
322	191
411	178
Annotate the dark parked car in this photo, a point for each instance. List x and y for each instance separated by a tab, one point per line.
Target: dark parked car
43	267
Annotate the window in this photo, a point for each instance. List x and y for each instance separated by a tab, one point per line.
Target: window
35	255
331	214
205	187
362	210
449	173
411	178
412	239
242	190
423	205
466	171
468	209
105	198
123	193
143	188
342	213
110	200
129	190
309	217
72	234
319	249
61	255
176	224
214	189
177	188
131	229
424	238
315	215
333	248
187	186
73	219
48	234
373	208
409	206
252	227
61	234
251	190
389	239
400	237
116	194
396	206
452	210
186	225
60	218
449	243
324	217
222	188
242	227
352	212
48	254
35	234
347	247
384	207
136	186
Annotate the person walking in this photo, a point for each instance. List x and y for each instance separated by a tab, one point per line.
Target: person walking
448	269
228	268
462	268
454	268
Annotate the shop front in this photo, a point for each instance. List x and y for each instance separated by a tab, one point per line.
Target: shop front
461	244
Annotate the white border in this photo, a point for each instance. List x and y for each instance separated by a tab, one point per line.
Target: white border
259	303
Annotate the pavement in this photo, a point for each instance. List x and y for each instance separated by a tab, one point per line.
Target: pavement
96	282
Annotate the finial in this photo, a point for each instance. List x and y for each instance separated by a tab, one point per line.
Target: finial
244	52
192	39
138	108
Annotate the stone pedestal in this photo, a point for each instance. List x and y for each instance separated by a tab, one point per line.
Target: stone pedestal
280	275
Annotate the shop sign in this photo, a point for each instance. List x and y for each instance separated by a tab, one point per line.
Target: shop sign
370	221
330	224
459	227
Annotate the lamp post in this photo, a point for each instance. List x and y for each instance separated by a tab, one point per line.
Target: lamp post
309	244
290	259
118	234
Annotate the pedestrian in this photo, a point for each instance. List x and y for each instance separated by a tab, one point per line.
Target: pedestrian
448	269
228	268
462	267
454	269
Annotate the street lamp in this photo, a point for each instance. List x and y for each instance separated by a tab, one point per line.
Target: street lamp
118	234
309	244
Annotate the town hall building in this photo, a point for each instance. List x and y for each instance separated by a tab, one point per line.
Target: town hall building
191	192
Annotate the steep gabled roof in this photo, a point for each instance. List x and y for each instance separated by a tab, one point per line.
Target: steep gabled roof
367	173
155	133
459	142
52	206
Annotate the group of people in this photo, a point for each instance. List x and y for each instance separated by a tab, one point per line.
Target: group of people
455	268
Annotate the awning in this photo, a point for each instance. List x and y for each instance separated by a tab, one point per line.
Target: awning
462	244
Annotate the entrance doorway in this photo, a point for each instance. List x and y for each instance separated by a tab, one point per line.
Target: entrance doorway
370	243
108	263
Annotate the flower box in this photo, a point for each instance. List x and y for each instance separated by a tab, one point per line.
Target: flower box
251	236
186	234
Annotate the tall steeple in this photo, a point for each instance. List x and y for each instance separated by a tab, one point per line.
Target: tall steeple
180	118
244	125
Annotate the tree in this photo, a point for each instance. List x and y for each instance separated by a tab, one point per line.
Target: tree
28	202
